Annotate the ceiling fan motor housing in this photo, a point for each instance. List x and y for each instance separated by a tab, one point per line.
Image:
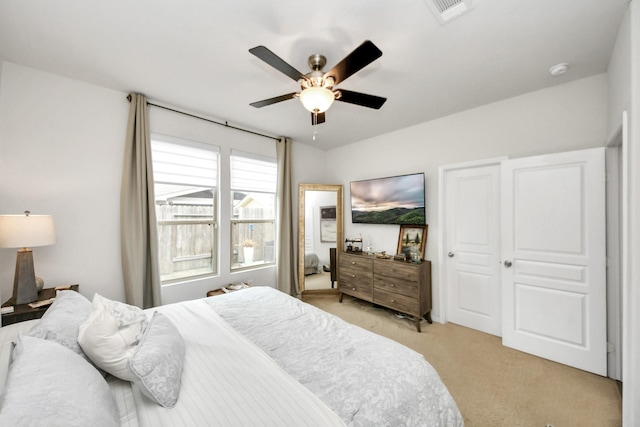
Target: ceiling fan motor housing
317	62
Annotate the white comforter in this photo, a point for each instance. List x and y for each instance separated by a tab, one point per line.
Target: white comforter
228	381
368	380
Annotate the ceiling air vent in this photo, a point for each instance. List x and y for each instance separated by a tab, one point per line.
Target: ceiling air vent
446	10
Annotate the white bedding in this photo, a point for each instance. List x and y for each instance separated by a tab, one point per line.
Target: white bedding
311	264
228	381
260	357
368	380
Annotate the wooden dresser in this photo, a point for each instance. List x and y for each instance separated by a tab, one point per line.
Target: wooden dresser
397	285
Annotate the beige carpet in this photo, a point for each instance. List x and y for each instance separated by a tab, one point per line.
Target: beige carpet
321	280
493	385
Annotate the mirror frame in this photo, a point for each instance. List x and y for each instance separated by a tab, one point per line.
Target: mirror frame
302	188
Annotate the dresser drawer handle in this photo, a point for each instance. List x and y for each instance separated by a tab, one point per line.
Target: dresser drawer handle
353	263
391	285
353	275
393	300
353	289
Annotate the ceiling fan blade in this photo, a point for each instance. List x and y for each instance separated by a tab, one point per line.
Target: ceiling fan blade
276	62
265	102
361	99
362	56
317	118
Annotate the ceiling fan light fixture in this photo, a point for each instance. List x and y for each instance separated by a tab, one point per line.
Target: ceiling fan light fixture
317	99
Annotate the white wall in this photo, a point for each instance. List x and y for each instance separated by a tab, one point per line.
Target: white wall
619	77
61	143
562	118
631	310
61	146
61	151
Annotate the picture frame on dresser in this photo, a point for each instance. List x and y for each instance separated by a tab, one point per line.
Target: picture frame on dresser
410	236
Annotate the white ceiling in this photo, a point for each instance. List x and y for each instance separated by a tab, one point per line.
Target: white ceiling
193	54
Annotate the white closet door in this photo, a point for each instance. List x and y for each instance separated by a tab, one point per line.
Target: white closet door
554	266
472	244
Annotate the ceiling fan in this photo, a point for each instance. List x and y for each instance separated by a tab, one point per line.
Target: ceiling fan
317	91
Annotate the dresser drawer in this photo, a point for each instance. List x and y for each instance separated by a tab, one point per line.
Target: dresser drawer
357	289
396	270
394	285
356	262
398	302
355	275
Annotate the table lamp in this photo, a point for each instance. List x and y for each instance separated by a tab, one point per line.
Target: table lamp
24	231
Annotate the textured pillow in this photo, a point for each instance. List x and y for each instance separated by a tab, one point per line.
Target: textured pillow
158	360
110	334
8	335
48	384
61	321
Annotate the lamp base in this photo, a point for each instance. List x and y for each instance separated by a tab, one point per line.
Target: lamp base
24	281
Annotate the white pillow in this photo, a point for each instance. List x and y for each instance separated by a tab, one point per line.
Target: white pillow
110	335
50	385
61	321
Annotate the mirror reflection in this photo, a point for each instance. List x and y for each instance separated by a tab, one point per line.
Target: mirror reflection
320	230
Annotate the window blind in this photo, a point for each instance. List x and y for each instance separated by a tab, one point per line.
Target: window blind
250	172
184	164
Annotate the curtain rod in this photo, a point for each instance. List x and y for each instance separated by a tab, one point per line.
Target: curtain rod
225	124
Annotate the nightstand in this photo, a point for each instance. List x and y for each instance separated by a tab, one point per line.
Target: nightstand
23	312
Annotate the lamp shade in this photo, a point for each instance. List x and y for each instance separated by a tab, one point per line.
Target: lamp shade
317	99
23	231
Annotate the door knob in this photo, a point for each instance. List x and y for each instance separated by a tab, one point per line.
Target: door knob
450	254
507	264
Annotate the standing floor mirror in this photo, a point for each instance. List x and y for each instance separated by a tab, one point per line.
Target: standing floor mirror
319	237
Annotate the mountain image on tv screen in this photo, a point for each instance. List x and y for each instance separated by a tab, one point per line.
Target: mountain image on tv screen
392	200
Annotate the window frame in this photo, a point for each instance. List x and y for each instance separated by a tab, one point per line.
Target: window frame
235	221
212	221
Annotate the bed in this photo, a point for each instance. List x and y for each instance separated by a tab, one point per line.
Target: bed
243	363
311	264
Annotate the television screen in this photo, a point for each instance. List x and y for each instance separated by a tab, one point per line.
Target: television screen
392	200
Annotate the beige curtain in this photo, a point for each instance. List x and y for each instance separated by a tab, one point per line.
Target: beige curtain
138	232
286	277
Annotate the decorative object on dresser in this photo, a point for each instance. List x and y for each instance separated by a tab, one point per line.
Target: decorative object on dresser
353	245
24	231
393	284
35	310
412	241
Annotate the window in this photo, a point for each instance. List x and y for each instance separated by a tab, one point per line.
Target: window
253	206
185	175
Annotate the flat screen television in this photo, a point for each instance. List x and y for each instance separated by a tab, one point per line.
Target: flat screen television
391	200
